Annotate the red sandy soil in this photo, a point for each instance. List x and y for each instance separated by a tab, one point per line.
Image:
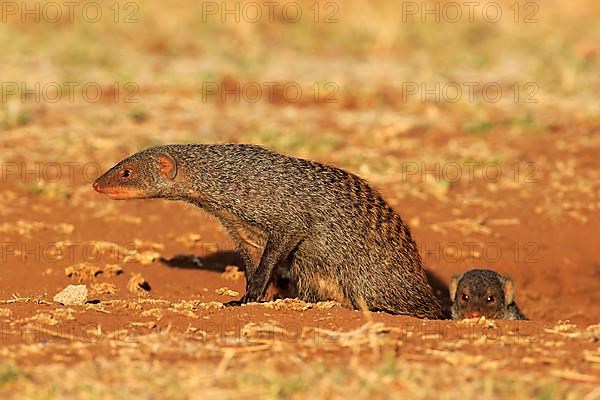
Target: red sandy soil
556	280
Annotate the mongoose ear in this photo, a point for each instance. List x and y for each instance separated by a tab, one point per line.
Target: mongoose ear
509	290
454	285
167	165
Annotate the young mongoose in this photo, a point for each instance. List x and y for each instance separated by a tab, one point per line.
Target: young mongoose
342	241
482	292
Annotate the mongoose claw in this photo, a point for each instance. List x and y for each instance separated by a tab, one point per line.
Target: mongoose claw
244	300
233	303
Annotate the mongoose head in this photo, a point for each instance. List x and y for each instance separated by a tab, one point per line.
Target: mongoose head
481	292
148	174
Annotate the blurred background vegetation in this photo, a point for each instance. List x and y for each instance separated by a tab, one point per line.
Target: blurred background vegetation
154	60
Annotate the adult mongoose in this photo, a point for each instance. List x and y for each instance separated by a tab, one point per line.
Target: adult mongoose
340	238
483	292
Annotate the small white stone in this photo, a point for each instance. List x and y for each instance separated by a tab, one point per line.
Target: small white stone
71	295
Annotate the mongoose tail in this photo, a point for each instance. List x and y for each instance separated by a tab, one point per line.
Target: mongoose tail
483	292
338	237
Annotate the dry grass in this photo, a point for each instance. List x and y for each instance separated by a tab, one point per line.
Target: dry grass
126	379
144	366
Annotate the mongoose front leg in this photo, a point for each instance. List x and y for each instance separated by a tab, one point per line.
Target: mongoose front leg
249	241
250	258
277	248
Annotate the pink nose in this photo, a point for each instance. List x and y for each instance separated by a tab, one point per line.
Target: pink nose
473	314
96	186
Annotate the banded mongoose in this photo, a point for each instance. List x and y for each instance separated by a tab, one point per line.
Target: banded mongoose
341	239
482	292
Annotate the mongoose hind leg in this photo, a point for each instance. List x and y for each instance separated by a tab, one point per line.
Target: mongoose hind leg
314	283
283	282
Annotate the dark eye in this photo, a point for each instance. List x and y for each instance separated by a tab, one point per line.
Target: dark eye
490	298
465	297
125	173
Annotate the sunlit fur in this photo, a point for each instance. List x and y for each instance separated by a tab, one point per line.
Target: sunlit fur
352	247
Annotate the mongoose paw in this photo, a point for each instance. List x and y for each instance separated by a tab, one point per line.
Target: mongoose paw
233	303
244	300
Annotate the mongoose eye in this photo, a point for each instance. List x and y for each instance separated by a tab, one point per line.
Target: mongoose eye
465	297
125	173
490	298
